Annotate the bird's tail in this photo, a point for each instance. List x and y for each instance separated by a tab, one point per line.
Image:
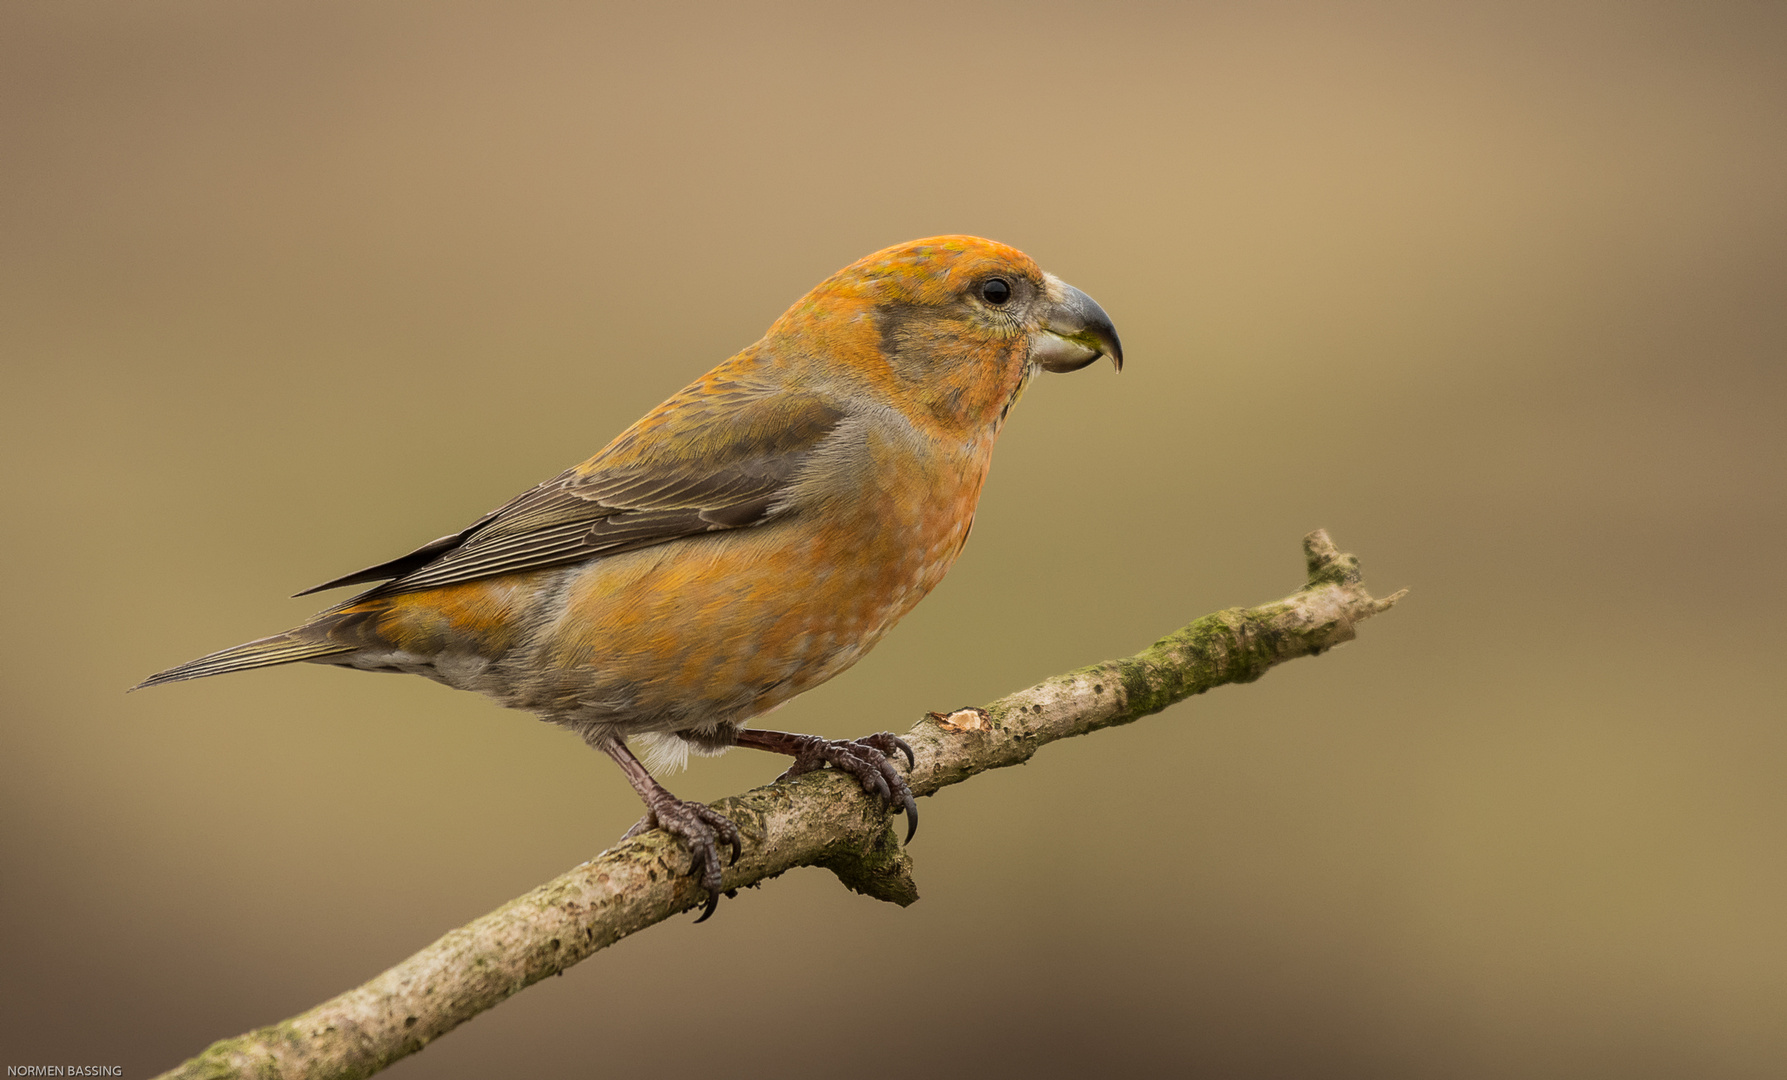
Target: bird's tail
287	648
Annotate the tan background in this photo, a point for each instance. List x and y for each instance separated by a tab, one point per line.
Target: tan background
1496	295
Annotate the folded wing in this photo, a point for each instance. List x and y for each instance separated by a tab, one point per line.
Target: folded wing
702	462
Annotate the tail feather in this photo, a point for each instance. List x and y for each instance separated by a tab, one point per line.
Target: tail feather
286	648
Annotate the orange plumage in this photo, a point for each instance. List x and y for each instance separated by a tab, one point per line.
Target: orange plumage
746	540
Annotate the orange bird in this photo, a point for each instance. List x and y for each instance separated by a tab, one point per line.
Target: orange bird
743	542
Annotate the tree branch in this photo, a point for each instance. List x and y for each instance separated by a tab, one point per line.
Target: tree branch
821	819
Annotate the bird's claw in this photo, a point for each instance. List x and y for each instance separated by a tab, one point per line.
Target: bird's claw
887	742
701	829
869	760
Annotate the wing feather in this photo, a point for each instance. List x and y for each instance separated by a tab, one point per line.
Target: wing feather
713	463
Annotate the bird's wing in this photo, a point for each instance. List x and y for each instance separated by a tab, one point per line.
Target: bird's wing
700	463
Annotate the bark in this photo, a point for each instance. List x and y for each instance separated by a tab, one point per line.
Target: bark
821	819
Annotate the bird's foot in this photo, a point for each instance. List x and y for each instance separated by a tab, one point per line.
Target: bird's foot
868	759
702	831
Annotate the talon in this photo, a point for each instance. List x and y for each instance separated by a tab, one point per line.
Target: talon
887	742
868	759
701	830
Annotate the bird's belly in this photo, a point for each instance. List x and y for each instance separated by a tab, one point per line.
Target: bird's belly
721	628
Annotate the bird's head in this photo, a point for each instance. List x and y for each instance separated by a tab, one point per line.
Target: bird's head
953	324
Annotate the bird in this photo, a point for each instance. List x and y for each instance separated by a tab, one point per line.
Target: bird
748	539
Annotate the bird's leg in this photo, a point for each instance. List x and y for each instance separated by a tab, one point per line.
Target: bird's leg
702	830
866	758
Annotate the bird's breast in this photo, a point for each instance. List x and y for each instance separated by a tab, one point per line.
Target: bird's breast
729	625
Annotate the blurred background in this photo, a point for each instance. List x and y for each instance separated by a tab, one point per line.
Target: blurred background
1493	292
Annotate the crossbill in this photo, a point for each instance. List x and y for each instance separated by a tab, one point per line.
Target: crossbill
746	540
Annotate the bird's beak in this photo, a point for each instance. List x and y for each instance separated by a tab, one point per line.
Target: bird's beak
1075	331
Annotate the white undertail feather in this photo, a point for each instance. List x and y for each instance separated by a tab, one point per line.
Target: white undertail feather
664	752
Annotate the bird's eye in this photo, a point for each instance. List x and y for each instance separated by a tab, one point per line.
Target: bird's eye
995	291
